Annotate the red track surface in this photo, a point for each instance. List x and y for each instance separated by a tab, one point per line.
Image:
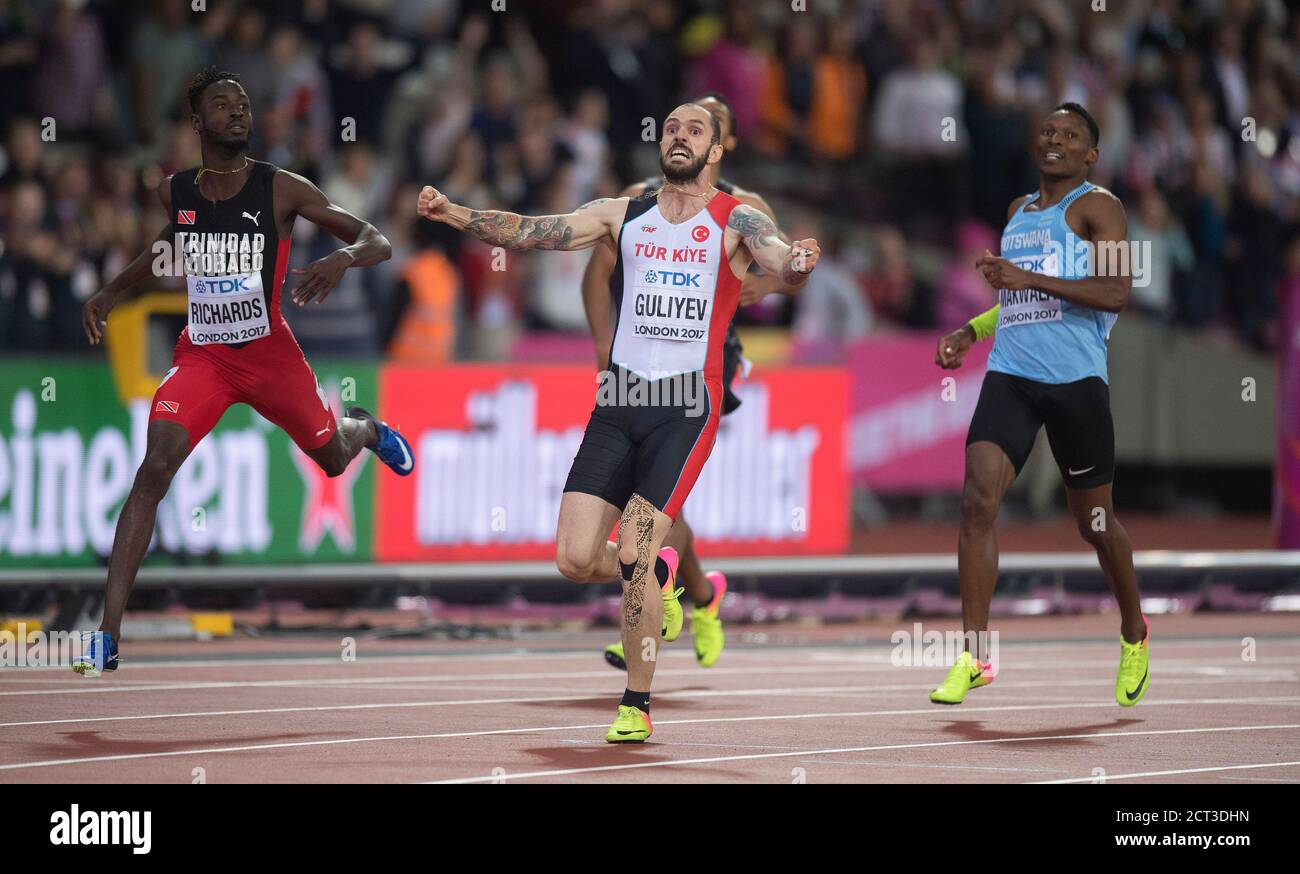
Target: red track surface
784	704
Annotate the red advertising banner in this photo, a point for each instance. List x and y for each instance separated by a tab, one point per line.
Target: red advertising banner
493	445
909	421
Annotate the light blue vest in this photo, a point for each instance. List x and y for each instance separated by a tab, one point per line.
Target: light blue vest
1041	337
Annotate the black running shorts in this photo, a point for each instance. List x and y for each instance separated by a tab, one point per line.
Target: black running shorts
653	449
1080	430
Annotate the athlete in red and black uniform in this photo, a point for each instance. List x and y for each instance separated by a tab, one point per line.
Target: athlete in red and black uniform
231	222
705	590
681	253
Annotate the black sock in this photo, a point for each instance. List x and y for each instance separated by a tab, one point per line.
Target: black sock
661	570
639	700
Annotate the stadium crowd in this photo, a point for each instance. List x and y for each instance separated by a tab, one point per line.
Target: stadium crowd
895	131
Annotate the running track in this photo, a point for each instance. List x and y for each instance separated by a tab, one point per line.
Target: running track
785	704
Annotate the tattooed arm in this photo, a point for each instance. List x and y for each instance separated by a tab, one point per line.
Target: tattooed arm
759	234
580	229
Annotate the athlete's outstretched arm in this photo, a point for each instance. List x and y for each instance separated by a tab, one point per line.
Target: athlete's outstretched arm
758	232
1107	229
580	229
366	246
97	306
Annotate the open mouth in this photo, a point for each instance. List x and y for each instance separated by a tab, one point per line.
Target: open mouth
1053	155
680	153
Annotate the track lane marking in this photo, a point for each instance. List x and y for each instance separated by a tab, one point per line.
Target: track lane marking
579	695
954	743
1108	777
698	721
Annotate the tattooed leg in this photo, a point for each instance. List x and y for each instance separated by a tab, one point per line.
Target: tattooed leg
642	533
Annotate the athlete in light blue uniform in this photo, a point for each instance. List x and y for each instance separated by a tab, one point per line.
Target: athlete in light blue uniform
1062	341
1062	279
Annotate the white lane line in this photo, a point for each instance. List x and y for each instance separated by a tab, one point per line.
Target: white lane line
931	710
870	652
75	686
952	743
1109	777
576	696
944	767
81	686
580	695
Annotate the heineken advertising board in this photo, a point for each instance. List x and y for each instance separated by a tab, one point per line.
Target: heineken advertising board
69	450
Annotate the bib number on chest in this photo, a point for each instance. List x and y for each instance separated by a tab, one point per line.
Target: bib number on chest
227	309
672	304
1029	306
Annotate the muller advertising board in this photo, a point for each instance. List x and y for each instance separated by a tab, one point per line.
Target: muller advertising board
493	446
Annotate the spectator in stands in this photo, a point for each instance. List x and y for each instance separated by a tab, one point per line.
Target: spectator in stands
585	141
427	302
1170	254
833	312
895	295
555	286
1208	140
962	291
360	85
243	50
19	51
359	183
1201	294
24	154
38	276
1253	251
72	77
734	66
918	126
165	51
1225	75
811	99
301	102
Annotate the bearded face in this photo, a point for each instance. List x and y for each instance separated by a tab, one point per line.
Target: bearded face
680	165
686	143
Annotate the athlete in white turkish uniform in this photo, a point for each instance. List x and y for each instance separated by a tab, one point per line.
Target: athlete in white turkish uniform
683	251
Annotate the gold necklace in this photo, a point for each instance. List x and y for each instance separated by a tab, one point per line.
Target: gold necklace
682	190
203	170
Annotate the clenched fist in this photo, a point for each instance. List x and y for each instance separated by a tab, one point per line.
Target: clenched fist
953	348
432	204
804	255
